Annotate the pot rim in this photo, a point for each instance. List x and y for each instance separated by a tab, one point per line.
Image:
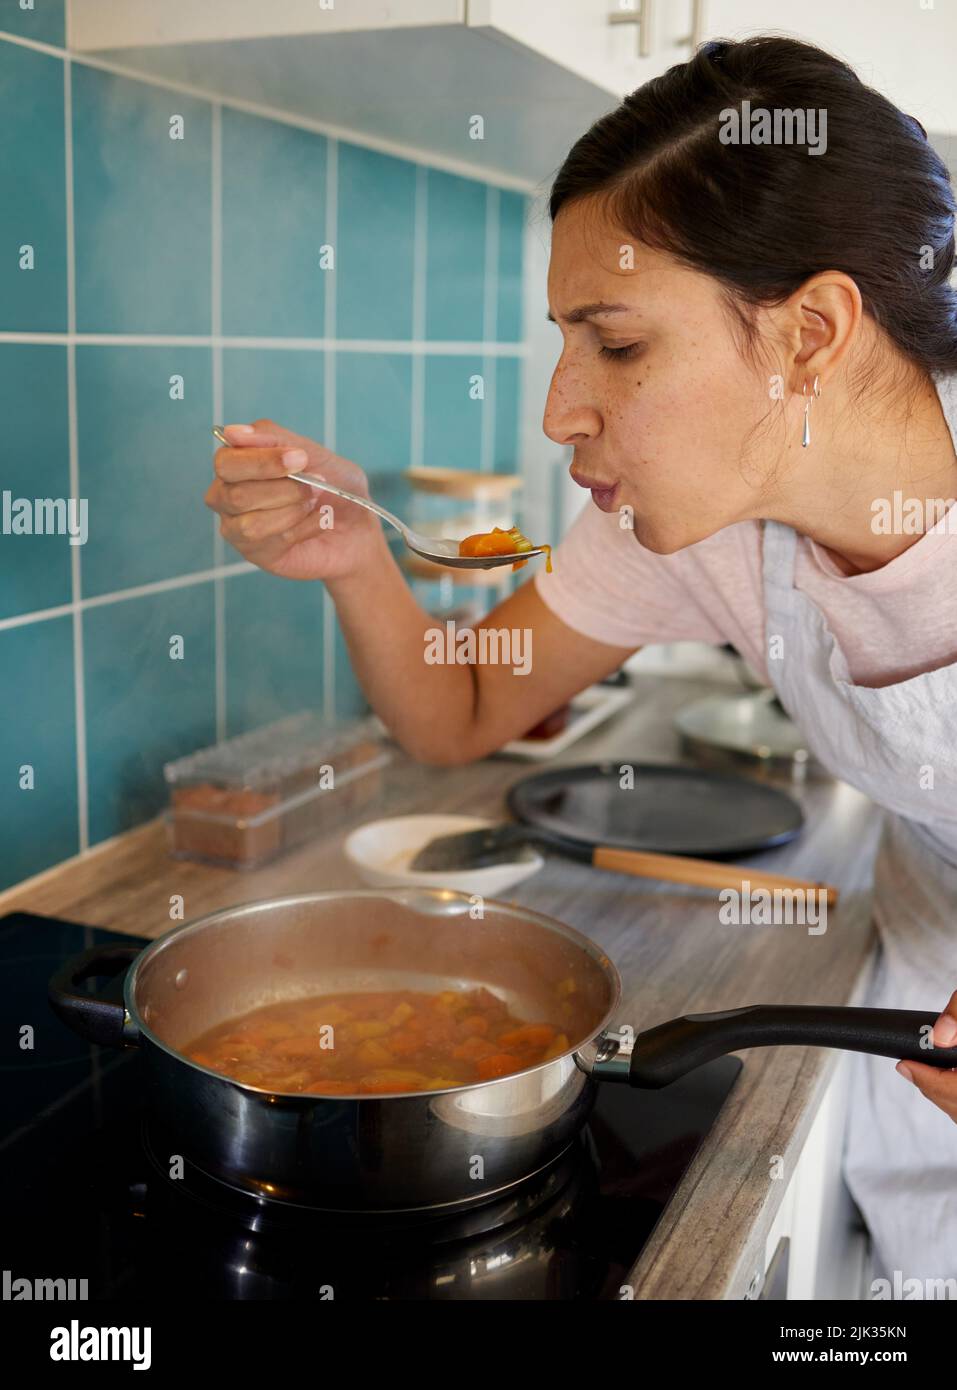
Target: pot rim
412	896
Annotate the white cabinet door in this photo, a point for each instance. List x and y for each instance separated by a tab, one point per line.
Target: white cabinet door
905	50
827	1249
98	24
575	34
579	35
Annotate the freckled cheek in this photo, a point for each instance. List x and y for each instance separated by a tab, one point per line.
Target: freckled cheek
645	408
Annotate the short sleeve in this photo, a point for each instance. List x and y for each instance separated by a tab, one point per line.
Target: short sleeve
607	586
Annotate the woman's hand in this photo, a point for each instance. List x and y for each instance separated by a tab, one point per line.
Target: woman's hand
937	1085
286	527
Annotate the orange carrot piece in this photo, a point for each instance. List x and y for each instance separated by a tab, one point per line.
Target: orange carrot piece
499	1064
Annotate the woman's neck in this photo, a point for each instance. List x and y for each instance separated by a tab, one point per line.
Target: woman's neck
866	470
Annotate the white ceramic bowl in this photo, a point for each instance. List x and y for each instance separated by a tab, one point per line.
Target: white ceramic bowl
383	849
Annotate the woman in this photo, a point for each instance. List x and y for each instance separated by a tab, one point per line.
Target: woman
758	376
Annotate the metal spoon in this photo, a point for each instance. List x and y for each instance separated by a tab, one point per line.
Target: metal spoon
438	550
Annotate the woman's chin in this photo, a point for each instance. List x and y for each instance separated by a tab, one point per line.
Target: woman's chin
665	535
660	537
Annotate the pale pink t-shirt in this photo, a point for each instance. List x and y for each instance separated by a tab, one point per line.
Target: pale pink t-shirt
892	623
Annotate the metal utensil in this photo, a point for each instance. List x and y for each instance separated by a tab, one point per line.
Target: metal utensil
437	549
477	849
474	849
415	1149
743	729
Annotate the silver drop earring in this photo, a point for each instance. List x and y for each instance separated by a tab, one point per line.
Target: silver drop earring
816	390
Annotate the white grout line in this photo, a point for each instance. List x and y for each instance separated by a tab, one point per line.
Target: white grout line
158	586
420	245
76	577
489	320
331	233
420	346
216	325
162	586
273	113
41	615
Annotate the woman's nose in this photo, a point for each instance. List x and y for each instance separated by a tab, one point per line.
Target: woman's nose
568	418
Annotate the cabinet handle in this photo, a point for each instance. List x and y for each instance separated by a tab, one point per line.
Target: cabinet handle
697	24
636	12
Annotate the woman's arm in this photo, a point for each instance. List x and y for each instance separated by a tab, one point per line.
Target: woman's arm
443	713
440	711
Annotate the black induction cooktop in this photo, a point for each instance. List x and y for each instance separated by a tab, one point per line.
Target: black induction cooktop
87	1201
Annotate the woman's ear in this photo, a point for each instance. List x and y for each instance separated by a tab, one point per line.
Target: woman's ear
821	322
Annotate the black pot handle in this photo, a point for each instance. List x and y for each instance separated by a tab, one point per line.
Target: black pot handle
95	1018
663	1054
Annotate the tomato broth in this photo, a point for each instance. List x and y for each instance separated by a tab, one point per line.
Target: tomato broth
377	1043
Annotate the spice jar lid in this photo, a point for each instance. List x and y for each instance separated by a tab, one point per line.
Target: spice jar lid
265	758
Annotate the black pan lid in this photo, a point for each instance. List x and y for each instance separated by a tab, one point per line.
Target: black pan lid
658	808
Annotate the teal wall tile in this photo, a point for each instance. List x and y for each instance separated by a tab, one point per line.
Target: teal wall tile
455	276
33	207
507	456
374	409
453	421
142	207
142	708
39	827
144	266
145	461
287	386
34	570
374	244
512	211
274	649
43	22
274	215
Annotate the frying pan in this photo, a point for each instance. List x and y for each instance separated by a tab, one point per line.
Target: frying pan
669	810
453	1148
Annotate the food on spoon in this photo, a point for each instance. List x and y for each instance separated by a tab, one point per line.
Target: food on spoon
377	1043
499	542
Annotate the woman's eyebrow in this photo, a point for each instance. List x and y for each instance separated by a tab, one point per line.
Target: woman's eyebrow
587	311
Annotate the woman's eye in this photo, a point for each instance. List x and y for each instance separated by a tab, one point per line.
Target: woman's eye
622	353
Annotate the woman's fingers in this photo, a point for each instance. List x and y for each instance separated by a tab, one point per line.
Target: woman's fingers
276	522
939	1087
232	499
261	433
254	464
945	1029
251	529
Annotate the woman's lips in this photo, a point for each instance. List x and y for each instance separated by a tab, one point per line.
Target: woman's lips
602	494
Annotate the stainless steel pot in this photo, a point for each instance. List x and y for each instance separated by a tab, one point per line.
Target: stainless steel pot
450	1148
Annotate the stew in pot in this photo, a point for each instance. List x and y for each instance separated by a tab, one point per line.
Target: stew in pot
378	1043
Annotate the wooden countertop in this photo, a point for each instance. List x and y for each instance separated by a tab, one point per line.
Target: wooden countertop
673	954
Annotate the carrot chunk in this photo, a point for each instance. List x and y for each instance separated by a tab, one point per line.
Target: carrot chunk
499	1064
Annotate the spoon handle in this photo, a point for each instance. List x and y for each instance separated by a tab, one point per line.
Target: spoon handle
366	502
322	486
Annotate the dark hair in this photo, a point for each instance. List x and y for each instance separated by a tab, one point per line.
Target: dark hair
763	218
